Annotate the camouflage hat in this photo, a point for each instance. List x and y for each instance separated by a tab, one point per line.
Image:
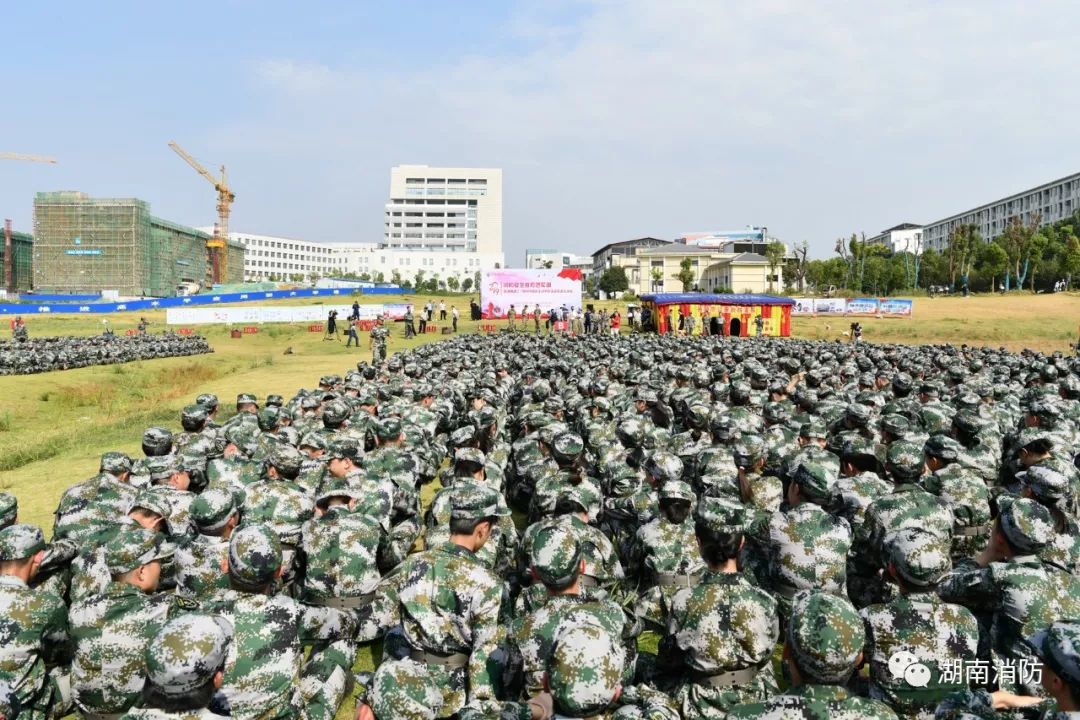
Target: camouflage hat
857	414
896	424
814	430
722	427
825	636
748	450
314	441
1045	483
904	461
18	542
405	689
275	400
676	490
476	502
157	439
721	514
268	418
154	502
187	652
208	401
585	670
470	456
135	547
254	555
816	482
967	422
556	554
194	416
567	447
1058	646
337	488
285	459
921	558
486	416
115	463
243	436
161	468
630	432
9	509
310	402
212	509
1027	524
334	413
388	429
246	399
345	448
943	448
663	466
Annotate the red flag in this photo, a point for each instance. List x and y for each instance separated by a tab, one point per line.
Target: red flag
570	274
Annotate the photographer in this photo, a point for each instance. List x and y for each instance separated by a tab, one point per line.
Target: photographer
856	332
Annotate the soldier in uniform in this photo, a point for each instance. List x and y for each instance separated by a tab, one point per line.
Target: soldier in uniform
95	501
33	629
822	648
216	514
378	339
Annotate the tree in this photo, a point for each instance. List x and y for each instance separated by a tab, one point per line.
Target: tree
453	283
964	242
845	249
685	274
466	285
379	277
1070	263
774	253
366	277
548	264
992	262
614	280
795	268
418	281
395	276
476	279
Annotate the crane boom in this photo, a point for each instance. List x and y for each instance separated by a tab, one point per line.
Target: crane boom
28	158
217	246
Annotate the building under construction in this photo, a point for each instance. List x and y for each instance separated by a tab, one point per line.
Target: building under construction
17	277
84	245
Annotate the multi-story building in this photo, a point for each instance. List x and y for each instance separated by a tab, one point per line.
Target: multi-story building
657	269
905	237
379	263
605	256
1048	203
751	239
543	258
268	257
446	209
18	268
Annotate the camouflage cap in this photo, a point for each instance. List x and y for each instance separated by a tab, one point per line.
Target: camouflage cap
161	468
337	488
275	400
153	502
18	542
895	423
388	429
814	430
476	502
134	547
943	448
469	456
1045	483
1027	525
816	482
486	416
157	439
268	418
194	416
9	509
315	441
246	399
212	509
631	432
285	459
676	490
405	689
663	466
556	554
187	652
567	447
921	558
345	448
825	636
905	461
115	463
585	670
748	450
254	555
334	413
208	401
1058	646
857	414
243	436
721	514
722	426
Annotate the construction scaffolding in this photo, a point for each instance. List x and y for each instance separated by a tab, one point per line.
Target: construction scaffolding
85	244
22	251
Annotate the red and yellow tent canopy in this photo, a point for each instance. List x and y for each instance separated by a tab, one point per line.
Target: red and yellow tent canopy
733	315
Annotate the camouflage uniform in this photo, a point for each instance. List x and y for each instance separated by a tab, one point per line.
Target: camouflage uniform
112	630
379	336
824	640
585	671
198	561
33	633
88	503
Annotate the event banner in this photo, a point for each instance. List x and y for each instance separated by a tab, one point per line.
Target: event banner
882	307
525	289
861	306
265	313
895	308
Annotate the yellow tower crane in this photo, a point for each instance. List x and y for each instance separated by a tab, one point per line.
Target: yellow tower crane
217	247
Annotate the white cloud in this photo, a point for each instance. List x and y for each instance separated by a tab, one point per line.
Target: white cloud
816	118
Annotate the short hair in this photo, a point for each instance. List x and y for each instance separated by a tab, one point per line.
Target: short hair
675	510
467	526
717	548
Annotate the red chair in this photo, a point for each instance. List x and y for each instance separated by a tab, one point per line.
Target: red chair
250	330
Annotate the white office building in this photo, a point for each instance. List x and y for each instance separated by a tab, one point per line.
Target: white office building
1051	202
378	263
541	258
444	209
269	257
905	237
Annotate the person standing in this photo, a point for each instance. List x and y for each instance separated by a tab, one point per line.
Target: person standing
378	340
759	325
536	318
631	317
442	310
410	323
454	316
355	310
423	320
511	318
352	336
616	323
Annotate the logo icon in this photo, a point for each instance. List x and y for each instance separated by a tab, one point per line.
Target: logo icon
906	666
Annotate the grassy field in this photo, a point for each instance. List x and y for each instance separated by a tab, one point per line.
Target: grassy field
54	426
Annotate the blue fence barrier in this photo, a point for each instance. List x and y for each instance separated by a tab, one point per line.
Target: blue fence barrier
191	300
36	298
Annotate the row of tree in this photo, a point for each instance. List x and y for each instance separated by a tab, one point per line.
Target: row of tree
420	282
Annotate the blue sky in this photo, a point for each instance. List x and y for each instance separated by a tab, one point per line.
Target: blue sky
610	119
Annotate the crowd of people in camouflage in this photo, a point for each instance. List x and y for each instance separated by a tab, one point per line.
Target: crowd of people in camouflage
26	355
624	527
